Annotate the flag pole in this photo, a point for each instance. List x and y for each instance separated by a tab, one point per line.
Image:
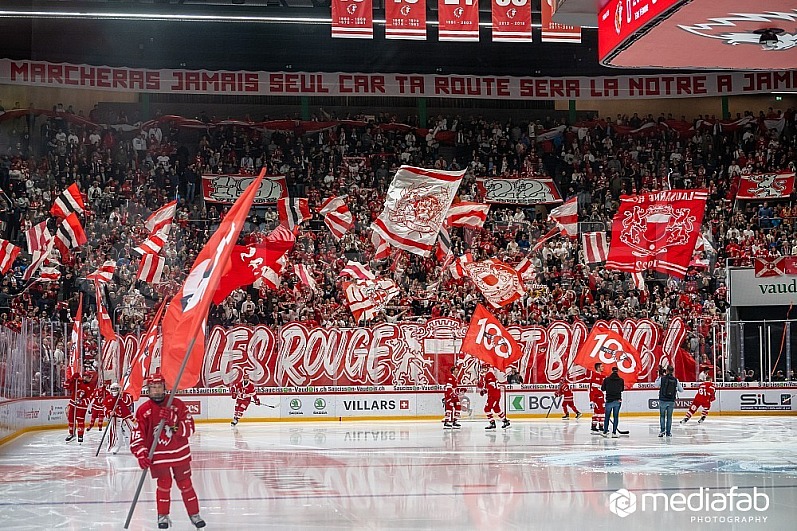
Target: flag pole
158	431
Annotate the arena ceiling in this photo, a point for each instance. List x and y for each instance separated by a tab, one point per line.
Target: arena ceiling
273	35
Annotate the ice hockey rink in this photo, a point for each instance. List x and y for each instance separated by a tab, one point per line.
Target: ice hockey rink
538	474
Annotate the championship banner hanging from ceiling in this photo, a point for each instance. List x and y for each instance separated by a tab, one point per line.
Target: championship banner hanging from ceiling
762	186
352	19
458	20
521	191
512	20
405	19
227	188
553	31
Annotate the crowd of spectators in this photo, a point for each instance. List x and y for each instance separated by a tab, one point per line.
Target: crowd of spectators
125	172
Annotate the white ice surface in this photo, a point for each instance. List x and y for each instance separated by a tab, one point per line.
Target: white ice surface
539	474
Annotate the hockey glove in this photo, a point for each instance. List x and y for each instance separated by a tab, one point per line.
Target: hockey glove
169	415
144	462
257	401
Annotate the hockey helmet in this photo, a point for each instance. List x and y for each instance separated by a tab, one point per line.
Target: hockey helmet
157	387
115	388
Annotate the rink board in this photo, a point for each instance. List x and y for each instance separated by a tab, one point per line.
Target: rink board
527	401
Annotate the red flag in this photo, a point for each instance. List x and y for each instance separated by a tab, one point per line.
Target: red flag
467	214
155	242
512	20
8	253
606	346
106	325
657	231
305	275
75	363
37	237
357	270
766	186
489	341
104	273
366	298
554	31
775	267
353	19
140	364
405	19
293	211
595	247
337	216
381	247
185	320
69	201
70	234
150	269
248	264
458	20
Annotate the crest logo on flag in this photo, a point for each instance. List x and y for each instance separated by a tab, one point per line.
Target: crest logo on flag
656	228
421	208
496	280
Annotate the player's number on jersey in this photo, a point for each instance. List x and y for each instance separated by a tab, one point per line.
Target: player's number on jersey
610	351
490	336
507	3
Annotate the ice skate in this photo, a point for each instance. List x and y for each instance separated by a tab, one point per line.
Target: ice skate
490	426
701	419
70	437
615	435
234	421
447	425
684	421
566	416
505	425
578	415
197	521
80	438
456	425
164	522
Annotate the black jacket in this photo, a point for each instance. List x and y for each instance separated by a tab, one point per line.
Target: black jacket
613	385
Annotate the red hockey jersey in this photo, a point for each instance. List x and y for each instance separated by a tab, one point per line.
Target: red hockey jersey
705	392
124	408
489	383
241	391
80	394
566	392
171	450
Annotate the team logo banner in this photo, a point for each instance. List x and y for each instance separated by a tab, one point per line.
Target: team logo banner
353	19
553	31
511	20
778	185
498	282
415	208
405	19
657	231
227	188
521	191
489	341
610	348
458	20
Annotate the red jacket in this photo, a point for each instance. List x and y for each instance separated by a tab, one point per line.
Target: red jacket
171	451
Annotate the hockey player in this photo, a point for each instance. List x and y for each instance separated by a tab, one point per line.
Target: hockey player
243	393
703	399
97	410
80	390
172	454
566	393
597	402
120	417
488	385
451	400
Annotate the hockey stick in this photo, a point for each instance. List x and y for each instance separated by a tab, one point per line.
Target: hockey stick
267	405
549	410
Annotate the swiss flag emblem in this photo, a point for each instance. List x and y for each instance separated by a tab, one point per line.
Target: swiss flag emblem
404	404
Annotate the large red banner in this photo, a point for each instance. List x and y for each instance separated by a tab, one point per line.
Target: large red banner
620	19
403	354
227	188
553	31
512	20
353	19
763	186
657	231
405	19
458	20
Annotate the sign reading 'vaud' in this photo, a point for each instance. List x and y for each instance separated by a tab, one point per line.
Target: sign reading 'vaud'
748	290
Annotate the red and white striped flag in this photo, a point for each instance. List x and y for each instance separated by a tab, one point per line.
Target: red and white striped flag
162	217
305	275
337	216
415	208
138	371
366	298
381	247
74	365
37	237
292	211
467	214
69	235
271	275
565	216
596	247
69	201
525	268
104	320
8	253
50	274
104	273
443	244
150	269
357	270
155	242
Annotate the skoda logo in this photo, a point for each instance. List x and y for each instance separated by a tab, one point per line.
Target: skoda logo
295	404
319	403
